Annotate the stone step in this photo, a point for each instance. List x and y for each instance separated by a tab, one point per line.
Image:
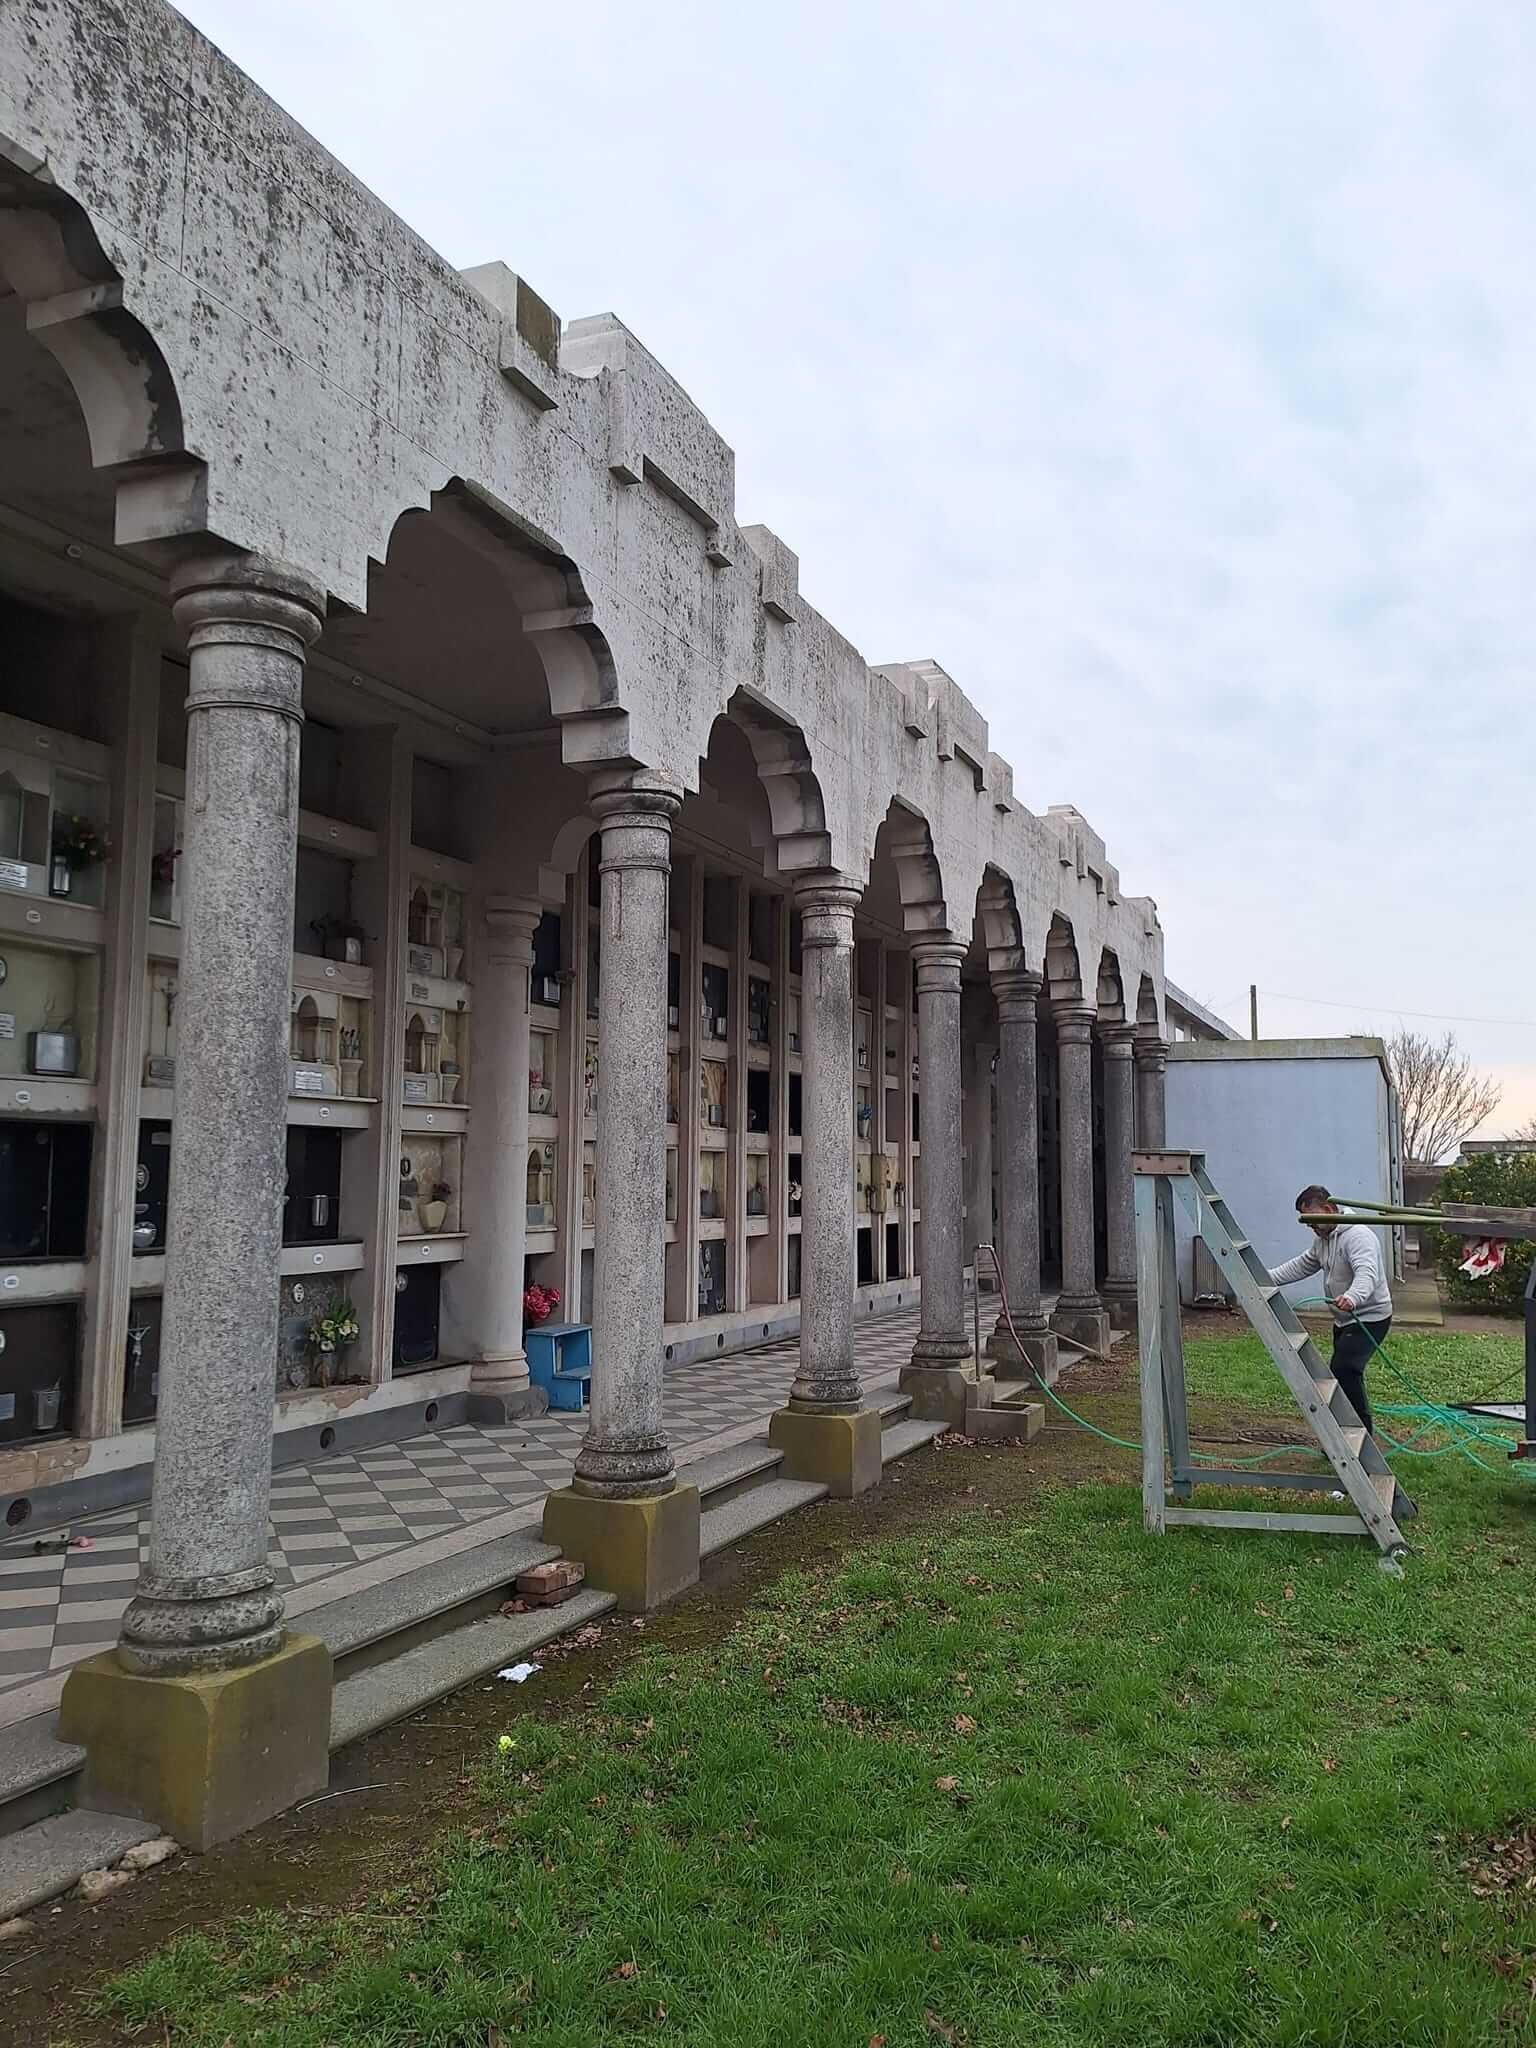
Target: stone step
901	1437
388	1691
891	1407
39	1862
724	1474
748	1512
381	1620
1016	1394
37	1772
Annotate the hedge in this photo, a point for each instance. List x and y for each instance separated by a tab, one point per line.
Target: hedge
1507	1181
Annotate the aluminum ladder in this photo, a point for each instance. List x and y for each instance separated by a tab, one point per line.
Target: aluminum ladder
1170	1181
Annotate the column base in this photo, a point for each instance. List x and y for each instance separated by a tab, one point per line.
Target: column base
1087	1328
1034	1356
943	1393
841	1452
1119	1298
642	1551
204	1755
492	1407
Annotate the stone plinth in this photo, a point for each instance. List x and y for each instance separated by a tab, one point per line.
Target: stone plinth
642	1551
841	1452
208	1754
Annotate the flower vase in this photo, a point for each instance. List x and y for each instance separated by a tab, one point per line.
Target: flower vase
433	1215
350	1070
61	878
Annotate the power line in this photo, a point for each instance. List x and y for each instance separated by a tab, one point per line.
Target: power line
1392	1010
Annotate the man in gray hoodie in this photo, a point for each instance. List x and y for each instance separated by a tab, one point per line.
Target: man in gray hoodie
1349	1258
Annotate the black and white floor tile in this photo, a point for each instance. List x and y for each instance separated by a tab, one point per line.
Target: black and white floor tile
57	1606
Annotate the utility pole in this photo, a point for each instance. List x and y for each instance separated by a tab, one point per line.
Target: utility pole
1253	1010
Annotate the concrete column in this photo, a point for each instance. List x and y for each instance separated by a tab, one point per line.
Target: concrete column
1119	1193
827	1432
1151	1080
977	1047
1079	1313
942	1377
625	1516
486	1289
1032	1342
828	1379
206	1617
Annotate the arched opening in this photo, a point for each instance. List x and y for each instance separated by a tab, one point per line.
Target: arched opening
903	899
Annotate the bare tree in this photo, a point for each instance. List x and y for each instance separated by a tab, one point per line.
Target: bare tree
1441	1099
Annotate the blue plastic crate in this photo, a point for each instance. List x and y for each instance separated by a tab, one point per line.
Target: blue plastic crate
560	1360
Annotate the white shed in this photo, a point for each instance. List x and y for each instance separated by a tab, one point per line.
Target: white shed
1273	1115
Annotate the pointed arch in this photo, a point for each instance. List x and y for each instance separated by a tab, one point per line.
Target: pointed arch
796	807
51	257
1110	991
906	838
1063	972
1001	929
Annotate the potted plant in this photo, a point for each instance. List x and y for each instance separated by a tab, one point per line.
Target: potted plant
331	1330
538	1094
349	1057
434	1210
77	844
539	1303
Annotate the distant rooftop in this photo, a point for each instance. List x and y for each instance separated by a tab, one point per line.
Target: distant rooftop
1193	1019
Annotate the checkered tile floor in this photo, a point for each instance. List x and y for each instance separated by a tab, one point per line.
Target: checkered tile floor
59	1606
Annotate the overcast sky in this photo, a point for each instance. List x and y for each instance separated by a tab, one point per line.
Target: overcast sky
1167	374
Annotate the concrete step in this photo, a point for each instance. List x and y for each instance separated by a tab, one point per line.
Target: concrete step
39	1862
901	1437
388	1691
1015	1394
743	1516
384	1619
38	1773
724	1474
891	1407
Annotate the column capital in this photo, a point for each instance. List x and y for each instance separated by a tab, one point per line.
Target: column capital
511	922
634	814
826	902
1074	1022
1117	1040
626	796
937	960
1017	991
247	601
1151	1055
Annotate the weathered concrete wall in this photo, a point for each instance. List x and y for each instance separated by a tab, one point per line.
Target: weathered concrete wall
252	308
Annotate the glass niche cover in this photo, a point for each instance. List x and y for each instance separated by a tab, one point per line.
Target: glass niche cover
434	930
49	1005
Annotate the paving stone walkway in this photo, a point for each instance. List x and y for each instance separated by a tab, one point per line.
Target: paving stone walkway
348	1509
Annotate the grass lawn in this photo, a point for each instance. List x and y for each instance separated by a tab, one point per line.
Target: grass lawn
1019	1774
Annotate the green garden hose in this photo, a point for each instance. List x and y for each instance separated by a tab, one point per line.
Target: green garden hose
1462	1432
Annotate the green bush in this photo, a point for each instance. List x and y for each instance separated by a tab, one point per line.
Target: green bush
1507	1181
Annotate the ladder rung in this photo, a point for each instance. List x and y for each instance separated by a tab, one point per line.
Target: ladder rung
1299	1339
1385	1484
1355	1439
1325	1391
1269	1293
1240	1244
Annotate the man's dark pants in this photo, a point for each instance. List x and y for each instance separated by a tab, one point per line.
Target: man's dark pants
1354	1346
